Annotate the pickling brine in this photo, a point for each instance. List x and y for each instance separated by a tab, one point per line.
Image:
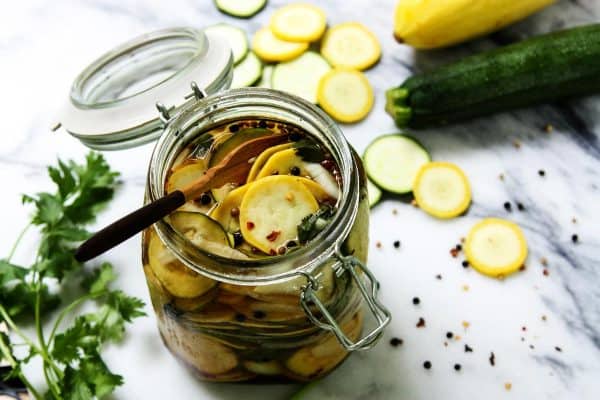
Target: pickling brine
229	332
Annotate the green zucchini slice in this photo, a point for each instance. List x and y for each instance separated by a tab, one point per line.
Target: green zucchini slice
236	38
374	193
393	161
247	72
240	8
301	76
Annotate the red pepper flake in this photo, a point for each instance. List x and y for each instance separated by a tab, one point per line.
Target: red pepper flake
250	225
271	237
546	272
272	252
454	252
544	261
421	323
524	328
492	359
457	337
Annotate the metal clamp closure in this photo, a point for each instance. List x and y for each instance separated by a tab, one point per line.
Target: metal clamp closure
165	113
347	264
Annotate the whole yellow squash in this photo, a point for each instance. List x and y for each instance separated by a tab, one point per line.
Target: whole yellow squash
429	24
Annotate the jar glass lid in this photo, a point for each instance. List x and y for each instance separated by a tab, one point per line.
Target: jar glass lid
113	102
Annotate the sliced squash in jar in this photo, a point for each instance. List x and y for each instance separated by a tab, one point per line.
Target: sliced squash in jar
496	247
351	45
299	22
262	159
272	209
317	190
225	213
185	174
272	49
442	190
174	276
282	163
234	141
346	95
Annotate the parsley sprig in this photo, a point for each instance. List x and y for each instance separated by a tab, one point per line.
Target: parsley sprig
72	364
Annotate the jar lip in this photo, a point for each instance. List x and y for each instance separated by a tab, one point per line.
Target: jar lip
267	270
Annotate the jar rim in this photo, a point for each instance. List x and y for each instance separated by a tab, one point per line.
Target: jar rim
272	269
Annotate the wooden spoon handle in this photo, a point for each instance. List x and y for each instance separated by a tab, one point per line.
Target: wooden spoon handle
129	225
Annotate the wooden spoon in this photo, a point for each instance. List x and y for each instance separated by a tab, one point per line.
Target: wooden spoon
233	168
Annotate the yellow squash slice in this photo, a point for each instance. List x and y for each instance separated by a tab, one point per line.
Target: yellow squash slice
299	22
442	189
222	213
321	195
262	159
345	94
496	247
185	174
272	209
178	279
281	163
271	49
351	45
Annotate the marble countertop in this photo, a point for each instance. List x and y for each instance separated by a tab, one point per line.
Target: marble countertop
544	330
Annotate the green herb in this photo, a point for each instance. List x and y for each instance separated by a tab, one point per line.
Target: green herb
314	223
309	151
72	365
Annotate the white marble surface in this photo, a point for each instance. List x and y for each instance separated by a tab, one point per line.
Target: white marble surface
44	44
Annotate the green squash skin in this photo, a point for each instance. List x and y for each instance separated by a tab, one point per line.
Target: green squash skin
538	70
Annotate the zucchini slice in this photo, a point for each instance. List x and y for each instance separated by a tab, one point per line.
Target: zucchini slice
262	159
393	161
247	72
442	189
265	79
240	8
351	45
271	49
345	94
496	247
235	36
272	209
301	76
222	213
374	193
198	228
175	277
299	22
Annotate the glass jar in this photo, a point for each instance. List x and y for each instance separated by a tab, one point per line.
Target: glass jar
290	317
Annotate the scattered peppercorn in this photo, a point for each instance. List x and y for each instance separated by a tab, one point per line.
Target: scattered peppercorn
541	172
457	367
421	323
258	314
250	225
235	212
574	220
262	124
468	349
427	365
574	238
465	264
520	206
438	277
492	359
397	244
531	346
522	267
458	247
544	261
281	251
507	206
462	239
291	244
272	252
238	239
327	164
558	349
205	199
416	300
454	252
413	203
501	177
395	342
524	328
295	136
234	128
516	144
546	272
240	317
548	128
295	170
544	318
449	335
395	212
378	245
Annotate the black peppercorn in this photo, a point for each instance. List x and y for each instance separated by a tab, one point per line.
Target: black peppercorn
240	317
449	335
295	171
427	365
238	239
259	314
205	199
457	367
465	264
520	206
262	124
575	238
541	172
396	342
416	300
291	244
507	206
295	136
397	244
234	128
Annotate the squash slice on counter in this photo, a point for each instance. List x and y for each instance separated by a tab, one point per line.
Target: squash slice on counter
271	49
345	94
442	190
272	209
299	22
178	279
222	213
351	45
496	247
301	76
262	159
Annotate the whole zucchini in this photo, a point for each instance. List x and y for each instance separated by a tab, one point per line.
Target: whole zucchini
541	69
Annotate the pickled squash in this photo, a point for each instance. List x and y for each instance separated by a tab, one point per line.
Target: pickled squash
429	24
